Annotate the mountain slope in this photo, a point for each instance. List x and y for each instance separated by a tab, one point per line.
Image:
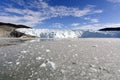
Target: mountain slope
9	30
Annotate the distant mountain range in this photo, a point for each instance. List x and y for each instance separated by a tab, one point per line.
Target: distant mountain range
110	29
13	25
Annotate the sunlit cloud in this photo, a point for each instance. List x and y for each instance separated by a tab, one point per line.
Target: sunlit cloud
57	26
42	11
75	24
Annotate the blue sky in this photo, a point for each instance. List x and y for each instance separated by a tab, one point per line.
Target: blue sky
61	14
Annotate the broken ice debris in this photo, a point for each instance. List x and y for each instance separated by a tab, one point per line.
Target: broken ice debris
38	58
47	50
48	64
23	51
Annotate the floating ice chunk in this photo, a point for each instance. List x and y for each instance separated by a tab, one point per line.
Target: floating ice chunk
36	73
76	54
111	51
69	45
48	64
83	73
17	63
38	79
23	51
9	62
47	50
51	65
5	55
93	69
119	71
62	70
38	58
91	65
43	65
109	42
95	58
42	46
93	79
75	45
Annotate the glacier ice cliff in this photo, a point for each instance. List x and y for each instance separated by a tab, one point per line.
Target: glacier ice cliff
51	33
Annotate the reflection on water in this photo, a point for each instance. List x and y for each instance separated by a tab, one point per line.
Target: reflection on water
18	40
9	42
41	40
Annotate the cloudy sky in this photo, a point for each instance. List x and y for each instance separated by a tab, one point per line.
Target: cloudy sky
61	14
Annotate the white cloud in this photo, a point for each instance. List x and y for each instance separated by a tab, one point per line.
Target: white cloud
92	20
57	25
98	11
26	17
27	20
42	11
114	1
112	25
75	24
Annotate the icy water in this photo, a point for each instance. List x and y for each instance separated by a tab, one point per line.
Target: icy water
65	59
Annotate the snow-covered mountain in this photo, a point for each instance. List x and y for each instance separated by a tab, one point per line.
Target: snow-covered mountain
51	33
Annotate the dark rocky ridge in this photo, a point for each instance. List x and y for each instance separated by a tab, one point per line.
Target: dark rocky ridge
110	29
13	25
9	30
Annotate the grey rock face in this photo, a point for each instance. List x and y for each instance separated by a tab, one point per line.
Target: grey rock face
9	30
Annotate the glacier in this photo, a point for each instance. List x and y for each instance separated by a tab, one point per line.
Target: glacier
49	33
53	33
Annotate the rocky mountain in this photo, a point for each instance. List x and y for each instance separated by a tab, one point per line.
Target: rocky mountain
9	30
